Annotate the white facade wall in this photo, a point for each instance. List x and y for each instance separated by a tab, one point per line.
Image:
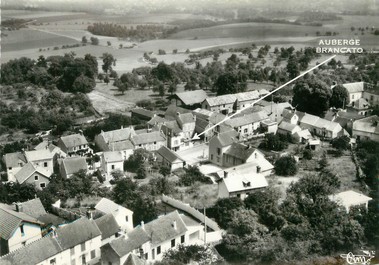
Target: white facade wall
32	232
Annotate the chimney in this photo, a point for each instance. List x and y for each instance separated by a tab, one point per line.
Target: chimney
122	127
177	113
142	224
174	225
19	207
225	174
258	169
90	214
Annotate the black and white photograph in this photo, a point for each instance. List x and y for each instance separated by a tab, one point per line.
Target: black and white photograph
189	132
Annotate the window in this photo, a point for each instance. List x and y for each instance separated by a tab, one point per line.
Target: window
42	185
218	159
352	96
112	167
218	151
23	243
22	230
93	254
109	263
116	235
36	177
127	218
158	250
155	142
10	168
72	251
245	130
146	256
83	246
153	253
73	262
173	243
45	164
182	239
211	156
53	261
84	261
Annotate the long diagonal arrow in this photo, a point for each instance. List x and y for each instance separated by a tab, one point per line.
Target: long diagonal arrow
197	136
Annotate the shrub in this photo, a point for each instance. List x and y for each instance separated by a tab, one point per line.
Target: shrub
286	166
307	154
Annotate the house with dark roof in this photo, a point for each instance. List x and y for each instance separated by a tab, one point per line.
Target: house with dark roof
142	114
219	144
17	229
31	174
109	228
287	128
71	165
366	128
116	140
189	99
247	124
240	181
76	243
150	141
169	158
150	241
224	104
74	145
122	215
173	110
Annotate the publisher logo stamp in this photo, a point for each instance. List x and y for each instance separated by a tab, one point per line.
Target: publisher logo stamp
364	259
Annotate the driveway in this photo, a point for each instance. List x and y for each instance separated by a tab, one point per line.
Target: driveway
195	154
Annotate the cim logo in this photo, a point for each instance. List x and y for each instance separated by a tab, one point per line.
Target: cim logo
364	259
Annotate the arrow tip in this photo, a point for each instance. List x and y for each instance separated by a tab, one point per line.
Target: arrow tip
196	137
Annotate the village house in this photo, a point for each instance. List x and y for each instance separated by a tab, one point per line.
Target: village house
321	127
172	111
189	99
240	181
302	136
169	158
122	215
269	126
111	161
219	144
223	104
371	95
71	165
74	145
141	114
355	90
247	124
76	243
43	158
274	110
14	162
366	128
343	118
151	141
17	229
150	241
286	128
55	150
205	119
246	99
238	154
35	175
359	106
109	228
116	140
350	198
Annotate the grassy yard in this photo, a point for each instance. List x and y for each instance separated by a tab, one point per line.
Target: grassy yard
198	195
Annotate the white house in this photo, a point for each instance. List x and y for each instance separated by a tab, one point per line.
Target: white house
35	175
109	228
111	161
240	181
287	128
123	216
366	128
170	158
350	198
74	144
71	165
355	90
152	240
41	158
17	230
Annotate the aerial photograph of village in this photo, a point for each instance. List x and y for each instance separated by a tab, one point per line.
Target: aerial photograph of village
163	132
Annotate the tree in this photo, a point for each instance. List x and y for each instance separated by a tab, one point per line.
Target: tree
109	43
94	41
161	90
293	67
108	61
273	142
311	96
83	84
323	162
286	166
222	211
188	255
340	97
230	83
175	51
164	170
192	175
307	154
163	72
161	52
106	79
84	39
341	142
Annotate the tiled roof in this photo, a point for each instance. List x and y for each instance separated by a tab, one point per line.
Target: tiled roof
245	96
288	114
186	118
120	146
309	119
143	112
369	124
43	154
126	244
238	179
77	232
168	154
201	125
147	138
10	220
170	126
354	87
134	260
13	159
73	140
74	164
33	208
240	151
172	111
350	198
107	206
156	120
247	119
289	127
192	97
107	225
118	135
34	253
227	138
27	170
221	100
328	125
113	156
